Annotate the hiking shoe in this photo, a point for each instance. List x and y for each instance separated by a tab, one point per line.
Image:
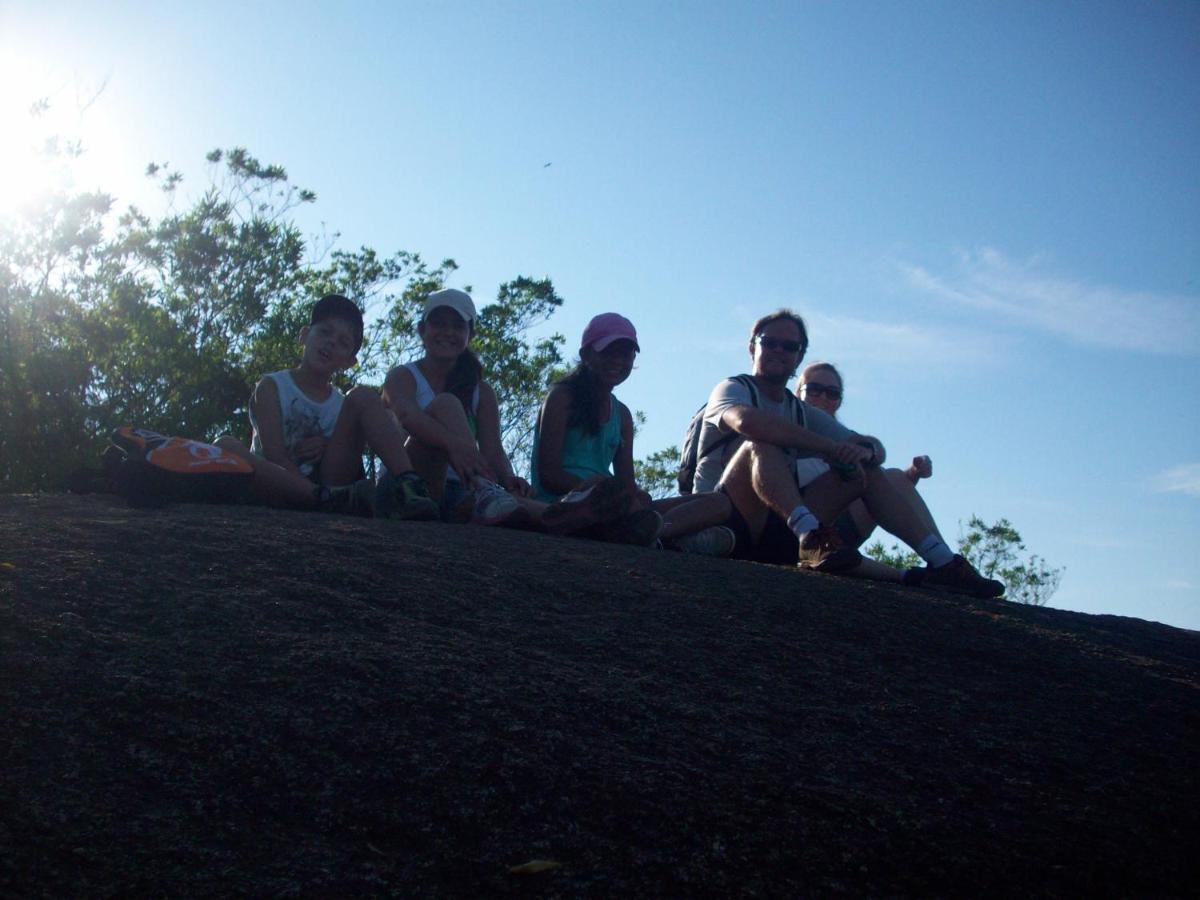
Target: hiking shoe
823	550
641	529
603	502
716	540
960	577
493	504
356	499
405	497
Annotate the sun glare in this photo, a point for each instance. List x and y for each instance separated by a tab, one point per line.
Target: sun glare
43	125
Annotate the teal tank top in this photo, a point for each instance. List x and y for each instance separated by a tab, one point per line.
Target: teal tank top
584	454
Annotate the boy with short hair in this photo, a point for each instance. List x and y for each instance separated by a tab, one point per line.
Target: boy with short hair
309	437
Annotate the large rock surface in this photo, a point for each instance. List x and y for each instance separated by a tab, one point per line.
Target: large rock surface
220	700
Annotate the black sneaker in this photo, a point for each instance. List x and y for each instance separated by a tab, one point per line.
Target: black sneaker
960	577
356	499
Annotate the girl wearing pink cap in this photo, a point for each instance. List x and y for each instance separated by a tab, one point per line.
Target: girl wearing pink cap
585	437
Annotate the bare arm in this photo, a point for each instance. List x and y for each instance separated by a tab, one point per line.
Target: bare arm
264	403
756	425
552	432
400	395
487	419
623	461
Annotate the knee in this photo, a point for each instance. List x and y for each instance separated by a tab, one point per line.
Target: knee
230	444
363	397
445	403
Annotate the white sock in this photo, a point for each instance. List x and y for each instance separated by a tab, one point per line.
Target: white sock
934	551
801	521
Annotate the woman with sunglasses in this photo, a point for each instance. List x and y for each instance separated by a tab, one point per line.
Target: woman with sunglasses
821	386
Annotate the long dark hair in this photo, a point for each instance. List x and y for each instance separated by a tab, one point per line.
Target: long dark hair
586	407
464	377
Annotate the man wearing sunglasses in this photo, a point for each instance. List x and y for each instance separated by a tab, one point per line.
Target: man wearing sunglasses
790	469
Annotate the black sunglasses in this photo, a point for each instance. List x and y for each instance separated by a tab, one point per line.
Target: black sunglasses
813	387
778	344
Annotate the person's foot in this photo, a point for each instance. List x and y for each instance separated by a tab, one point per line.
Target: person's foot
356	499
716	540
823	550
600	503
405	497
493	504
640	528
960	577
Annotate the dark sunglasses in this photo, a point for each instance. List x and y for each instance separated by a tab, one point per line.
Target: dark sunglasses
777	344
813	387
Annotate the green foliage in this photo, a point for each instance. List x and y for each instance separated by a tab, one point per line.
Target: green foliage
896	556
169	321
657	473
995	550
998	552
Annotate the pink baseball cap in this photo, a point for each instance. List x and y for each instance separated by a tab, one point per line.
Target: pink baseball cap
606	328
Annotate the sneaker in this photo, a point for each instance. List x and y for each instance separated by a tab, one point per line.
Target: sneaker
600	503
641	529
960	577
823	550
405	497
356	499
716	540
493	504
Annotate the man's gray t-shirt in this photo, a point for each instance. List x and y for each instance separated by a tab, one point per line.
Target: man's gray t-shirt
730	393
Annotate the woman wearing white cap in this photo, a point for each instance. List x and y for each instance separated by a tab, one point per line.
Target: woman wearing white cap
452	415
585	438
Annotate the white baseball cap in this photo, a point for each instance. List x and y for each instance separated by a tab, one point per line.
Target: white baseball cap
459	301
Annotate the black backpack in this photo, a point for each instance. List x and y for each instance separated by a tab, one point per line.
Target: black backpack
692	452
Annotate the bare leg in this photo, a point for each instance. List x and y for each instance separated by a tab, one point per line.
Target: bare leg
863	522
273	485
431	462
759	479
894	511
687	515
363	422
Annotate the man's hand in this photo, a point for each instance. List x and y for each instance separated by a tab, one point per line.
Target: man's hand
849	453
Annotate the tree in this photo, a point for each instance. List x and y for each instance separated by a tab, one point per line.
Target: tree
168	321
997	552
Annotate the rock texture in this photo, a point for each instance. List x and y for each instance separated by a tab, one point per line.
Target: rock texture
235	701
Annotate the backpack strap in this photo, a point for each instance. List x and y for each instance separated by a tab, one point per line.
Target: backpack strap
748	382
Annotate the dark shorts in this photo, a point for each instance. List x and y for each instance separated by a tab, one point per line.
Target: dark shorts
776	545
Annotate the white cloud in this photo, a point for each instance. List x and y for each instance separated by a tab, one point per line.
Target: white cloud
1179	584
849	338
1184	479
1088	314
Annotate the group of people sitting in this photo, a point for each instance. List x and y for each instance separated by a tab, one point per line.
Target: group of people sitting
778	479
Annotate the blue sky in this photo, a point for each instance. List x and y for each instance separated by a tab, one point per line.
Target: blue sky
988	213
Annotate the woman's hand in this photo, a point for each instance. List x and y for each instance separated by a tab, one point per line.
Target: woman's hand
464	457
516	486
922	467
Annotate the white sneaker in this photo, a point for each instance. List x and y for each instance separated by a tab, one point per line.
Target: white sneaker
493	504
716	540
